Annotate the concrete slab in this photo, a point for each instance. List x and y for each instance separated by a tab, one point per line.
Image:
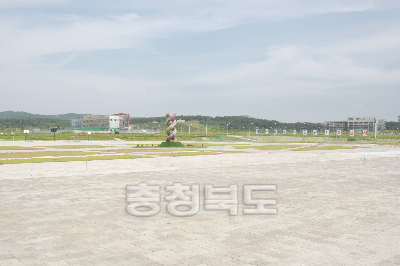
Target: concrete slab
332	209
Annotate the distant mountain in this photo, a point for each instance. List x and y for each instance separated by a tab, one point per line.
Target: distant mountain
21	115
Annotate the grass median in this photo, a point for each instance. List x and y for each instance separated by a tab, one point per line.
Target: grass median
325	148
72	146
268	147
19	148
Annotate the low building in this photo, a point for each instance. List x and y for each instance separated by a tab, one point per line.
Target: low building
95	122
114	122
119	121
357	123
101	122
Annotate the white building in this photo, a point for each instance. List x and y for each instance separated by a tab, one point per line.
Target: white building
115	121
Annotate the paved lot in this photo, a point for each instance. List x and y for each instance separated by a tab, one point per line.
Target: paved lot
332	210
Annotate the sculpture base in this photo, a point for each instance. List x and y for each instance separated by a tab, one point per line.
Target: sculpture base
171	144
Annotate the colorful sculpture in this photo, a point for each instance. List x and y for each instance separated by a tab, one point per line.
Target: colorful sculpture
171	130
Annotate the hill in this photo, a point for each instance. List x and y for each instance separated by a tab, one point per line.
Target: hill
23	115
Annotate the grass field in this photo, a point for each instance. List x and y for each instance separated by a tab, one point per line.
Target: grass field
198	153
65	156
69	159
45	153
268	147
72	146
324	148
138	151
18	148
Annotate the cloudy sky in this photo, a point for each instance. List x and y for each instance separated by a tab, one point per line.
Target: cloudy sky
289	60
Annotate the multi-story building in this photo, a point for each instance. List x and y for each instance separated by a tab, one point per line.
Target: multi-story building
123	121
357	123
101	122
336	124
95	122
114	122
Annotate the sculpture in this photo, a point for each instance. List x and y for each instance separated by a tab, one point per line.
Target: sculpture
171	130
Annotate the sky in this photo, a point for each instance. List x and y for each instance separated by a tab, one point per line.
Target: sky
285	60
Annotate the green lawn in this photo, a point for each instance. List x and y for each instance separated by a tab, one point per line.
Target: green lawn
268	147
45	153
73	146
18	148
323	148
69	159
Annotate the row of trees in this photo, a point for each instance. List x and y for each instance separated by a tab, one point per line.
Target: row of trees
22	115
239	123
392	125
28	123
236	123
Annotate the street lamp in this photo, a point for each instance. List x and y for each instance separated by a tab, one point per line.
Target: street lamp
189	128
249	129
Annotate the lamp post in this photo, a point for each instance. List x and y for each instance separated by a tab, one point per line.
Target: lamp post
249	129
189	128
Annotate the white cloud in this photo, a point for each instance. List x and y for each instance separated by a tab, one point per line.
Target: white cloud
294	69
30	3
21	38
287	69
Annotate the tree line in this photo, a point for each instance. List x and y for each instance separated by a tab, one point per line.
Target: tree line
243	122
239	123
28	123
392	125
235	122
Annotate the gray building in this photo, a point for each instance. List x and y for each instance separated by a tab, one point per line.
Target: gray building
357	123
95	122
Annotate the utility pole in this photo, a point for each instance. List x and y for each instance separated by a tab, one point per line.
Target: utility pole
206	128
376	126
